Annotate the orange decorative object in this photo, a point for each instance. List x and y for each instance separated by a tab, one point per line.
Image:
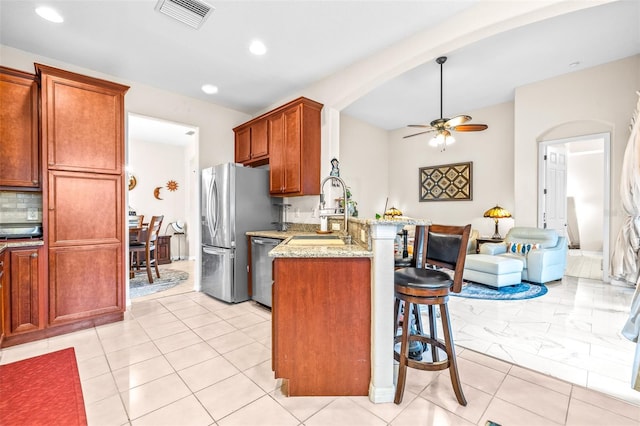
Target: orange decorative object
172	185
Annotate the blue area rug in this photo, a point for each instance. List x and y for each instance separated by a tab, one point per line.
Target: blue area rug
512	292
140	286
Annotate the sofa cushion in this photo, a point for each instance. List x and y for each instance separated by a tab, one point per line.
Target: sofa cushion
496	265
547	238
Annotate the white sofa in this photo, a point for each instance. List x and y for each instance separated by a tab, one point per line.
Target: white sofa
545	263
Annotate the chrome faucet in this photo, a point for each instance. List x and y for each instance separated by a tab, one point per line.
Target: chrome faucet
344	190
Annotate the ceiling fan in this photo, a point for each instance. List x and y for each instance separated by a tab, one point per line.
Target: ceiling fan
444	126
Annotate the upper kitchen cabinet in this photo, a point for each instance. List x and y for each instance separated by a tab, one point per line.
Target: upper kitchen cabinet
19	144
252	145
82	122
294	143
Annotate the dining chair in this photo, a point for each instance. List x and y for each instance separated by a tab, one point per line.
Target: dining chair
146	248
437	249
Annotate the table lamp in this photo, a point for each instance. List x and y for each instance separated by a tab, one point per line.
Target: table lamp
496	213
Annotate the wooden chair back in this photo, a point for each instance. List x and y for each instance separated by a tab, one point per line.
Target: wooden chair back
444	246
153	230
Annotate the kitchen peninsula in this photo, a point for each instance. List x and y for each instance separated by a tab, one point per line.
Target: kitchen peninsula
336	335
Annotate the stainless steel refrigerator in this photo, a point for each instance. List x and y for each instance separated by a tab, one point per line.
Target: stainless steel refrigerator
235	200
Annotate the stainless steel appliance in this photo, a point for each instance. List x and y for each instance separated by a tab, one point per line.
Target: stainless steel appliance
235	200
261	266
18	231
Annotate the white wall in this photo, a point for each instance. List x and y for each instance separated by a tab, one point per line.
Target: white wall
596	100
491	152
154	165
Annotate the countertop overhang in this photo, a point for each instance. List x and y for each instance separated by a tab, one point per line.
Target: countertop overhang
284	250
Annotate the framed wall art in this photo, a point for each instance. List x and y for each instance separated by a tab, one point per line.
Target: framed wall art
448	182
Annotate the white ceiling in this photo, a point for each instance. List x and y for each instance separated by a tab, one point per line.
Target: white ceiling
310	40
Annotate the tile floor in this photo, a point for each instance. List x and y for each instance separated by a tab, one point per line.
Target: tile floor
183	358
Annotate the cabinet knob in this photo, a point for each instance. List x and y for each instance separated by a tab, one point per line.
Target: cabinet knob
34	255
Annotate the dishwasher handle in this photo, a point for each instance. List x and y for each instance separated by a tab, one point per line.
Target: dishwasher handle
266	242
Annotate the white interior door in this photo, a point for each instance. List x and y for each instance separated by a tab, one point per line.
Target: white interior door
555	194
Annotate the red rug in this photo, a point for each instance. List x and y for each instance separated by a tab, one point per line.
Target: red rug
44	390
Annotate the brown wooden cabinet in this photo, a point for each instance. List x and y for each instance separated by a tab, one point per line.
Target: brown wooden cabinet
294	140
3	284
251	144
163	249
23	291
19	142
321	325
288	139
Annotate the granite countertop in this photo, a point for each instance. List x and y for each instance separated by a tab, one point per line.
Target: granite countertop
20	243
283	250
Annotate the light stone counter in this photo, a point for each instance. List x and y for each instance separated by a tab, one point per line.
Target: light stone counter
284	250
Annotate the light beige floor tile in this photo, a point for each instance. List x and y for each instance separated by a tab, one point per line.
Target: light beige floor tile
151	396
531	397
248	356
124	340
20	352
225	397
598	399
583	414
263	376
479	376
247	320
168	329
232	311
216	329
485	360
262	412
617	388
259	331
229	342
207	373
418	380
98	388
541	379
186	411
142	372
386	411
302	407
118	329
93	367
132	355
85	343
191	355
426	413
343	411
106	412
507	414
441	393
190	311
162	318
140	309
177	341
202	320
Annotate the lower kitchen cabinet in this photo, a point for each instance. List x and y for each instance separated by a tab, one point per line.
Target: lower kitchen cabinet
3	284
321	319
23	291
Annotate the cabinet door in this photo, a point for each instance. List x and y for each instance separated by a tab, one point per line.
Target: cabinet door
20	165
85	281
277	155
259	139
82	122
3	285
84	208
25	311
292	150
243	145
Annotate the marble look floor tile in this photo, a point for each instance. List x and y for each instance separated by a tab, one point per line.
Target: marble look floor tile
207	373
151	396
185	411
343	411
191	355
226	396
261	412
532	397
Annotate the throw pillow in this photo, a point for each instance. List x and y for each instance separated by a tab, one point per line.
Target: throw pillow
521	248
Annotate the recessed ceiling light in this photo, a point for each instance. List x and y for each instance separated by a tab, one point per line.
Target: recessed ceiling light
210	89
257	47
49	14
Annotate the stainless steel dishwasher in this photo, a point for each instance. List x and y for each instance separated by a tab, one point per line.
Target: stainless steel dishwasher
261	265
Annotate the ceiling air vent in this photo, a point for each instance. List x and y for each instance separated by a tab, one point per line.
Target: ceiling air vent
190	12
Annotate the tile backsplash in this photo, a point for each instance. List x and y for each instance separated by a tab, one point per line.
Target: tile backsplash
19	207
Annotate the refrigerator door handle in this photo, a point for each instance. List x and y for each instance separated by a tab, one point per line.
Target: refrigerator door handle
217	251
211	206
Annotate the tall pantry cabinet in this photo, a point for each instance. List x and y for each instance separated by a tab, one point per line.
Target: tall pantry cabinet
82	130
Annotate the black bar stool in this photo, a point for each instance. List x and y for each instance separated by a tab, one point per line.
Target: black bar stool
425	283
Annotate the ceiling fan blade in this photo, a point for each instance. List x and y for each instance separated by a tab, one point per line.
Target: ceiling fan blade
416	134
457	120
470	128
419	125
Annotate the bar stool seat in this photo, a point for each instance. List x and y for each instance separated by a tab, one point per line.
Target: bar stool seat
428	284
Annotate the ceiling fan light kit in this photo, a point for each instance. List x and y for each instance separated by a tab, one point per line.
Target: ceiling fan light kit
444	126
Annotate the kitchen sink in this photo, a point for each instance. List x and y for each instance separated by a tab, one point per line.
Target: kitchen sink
316	240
